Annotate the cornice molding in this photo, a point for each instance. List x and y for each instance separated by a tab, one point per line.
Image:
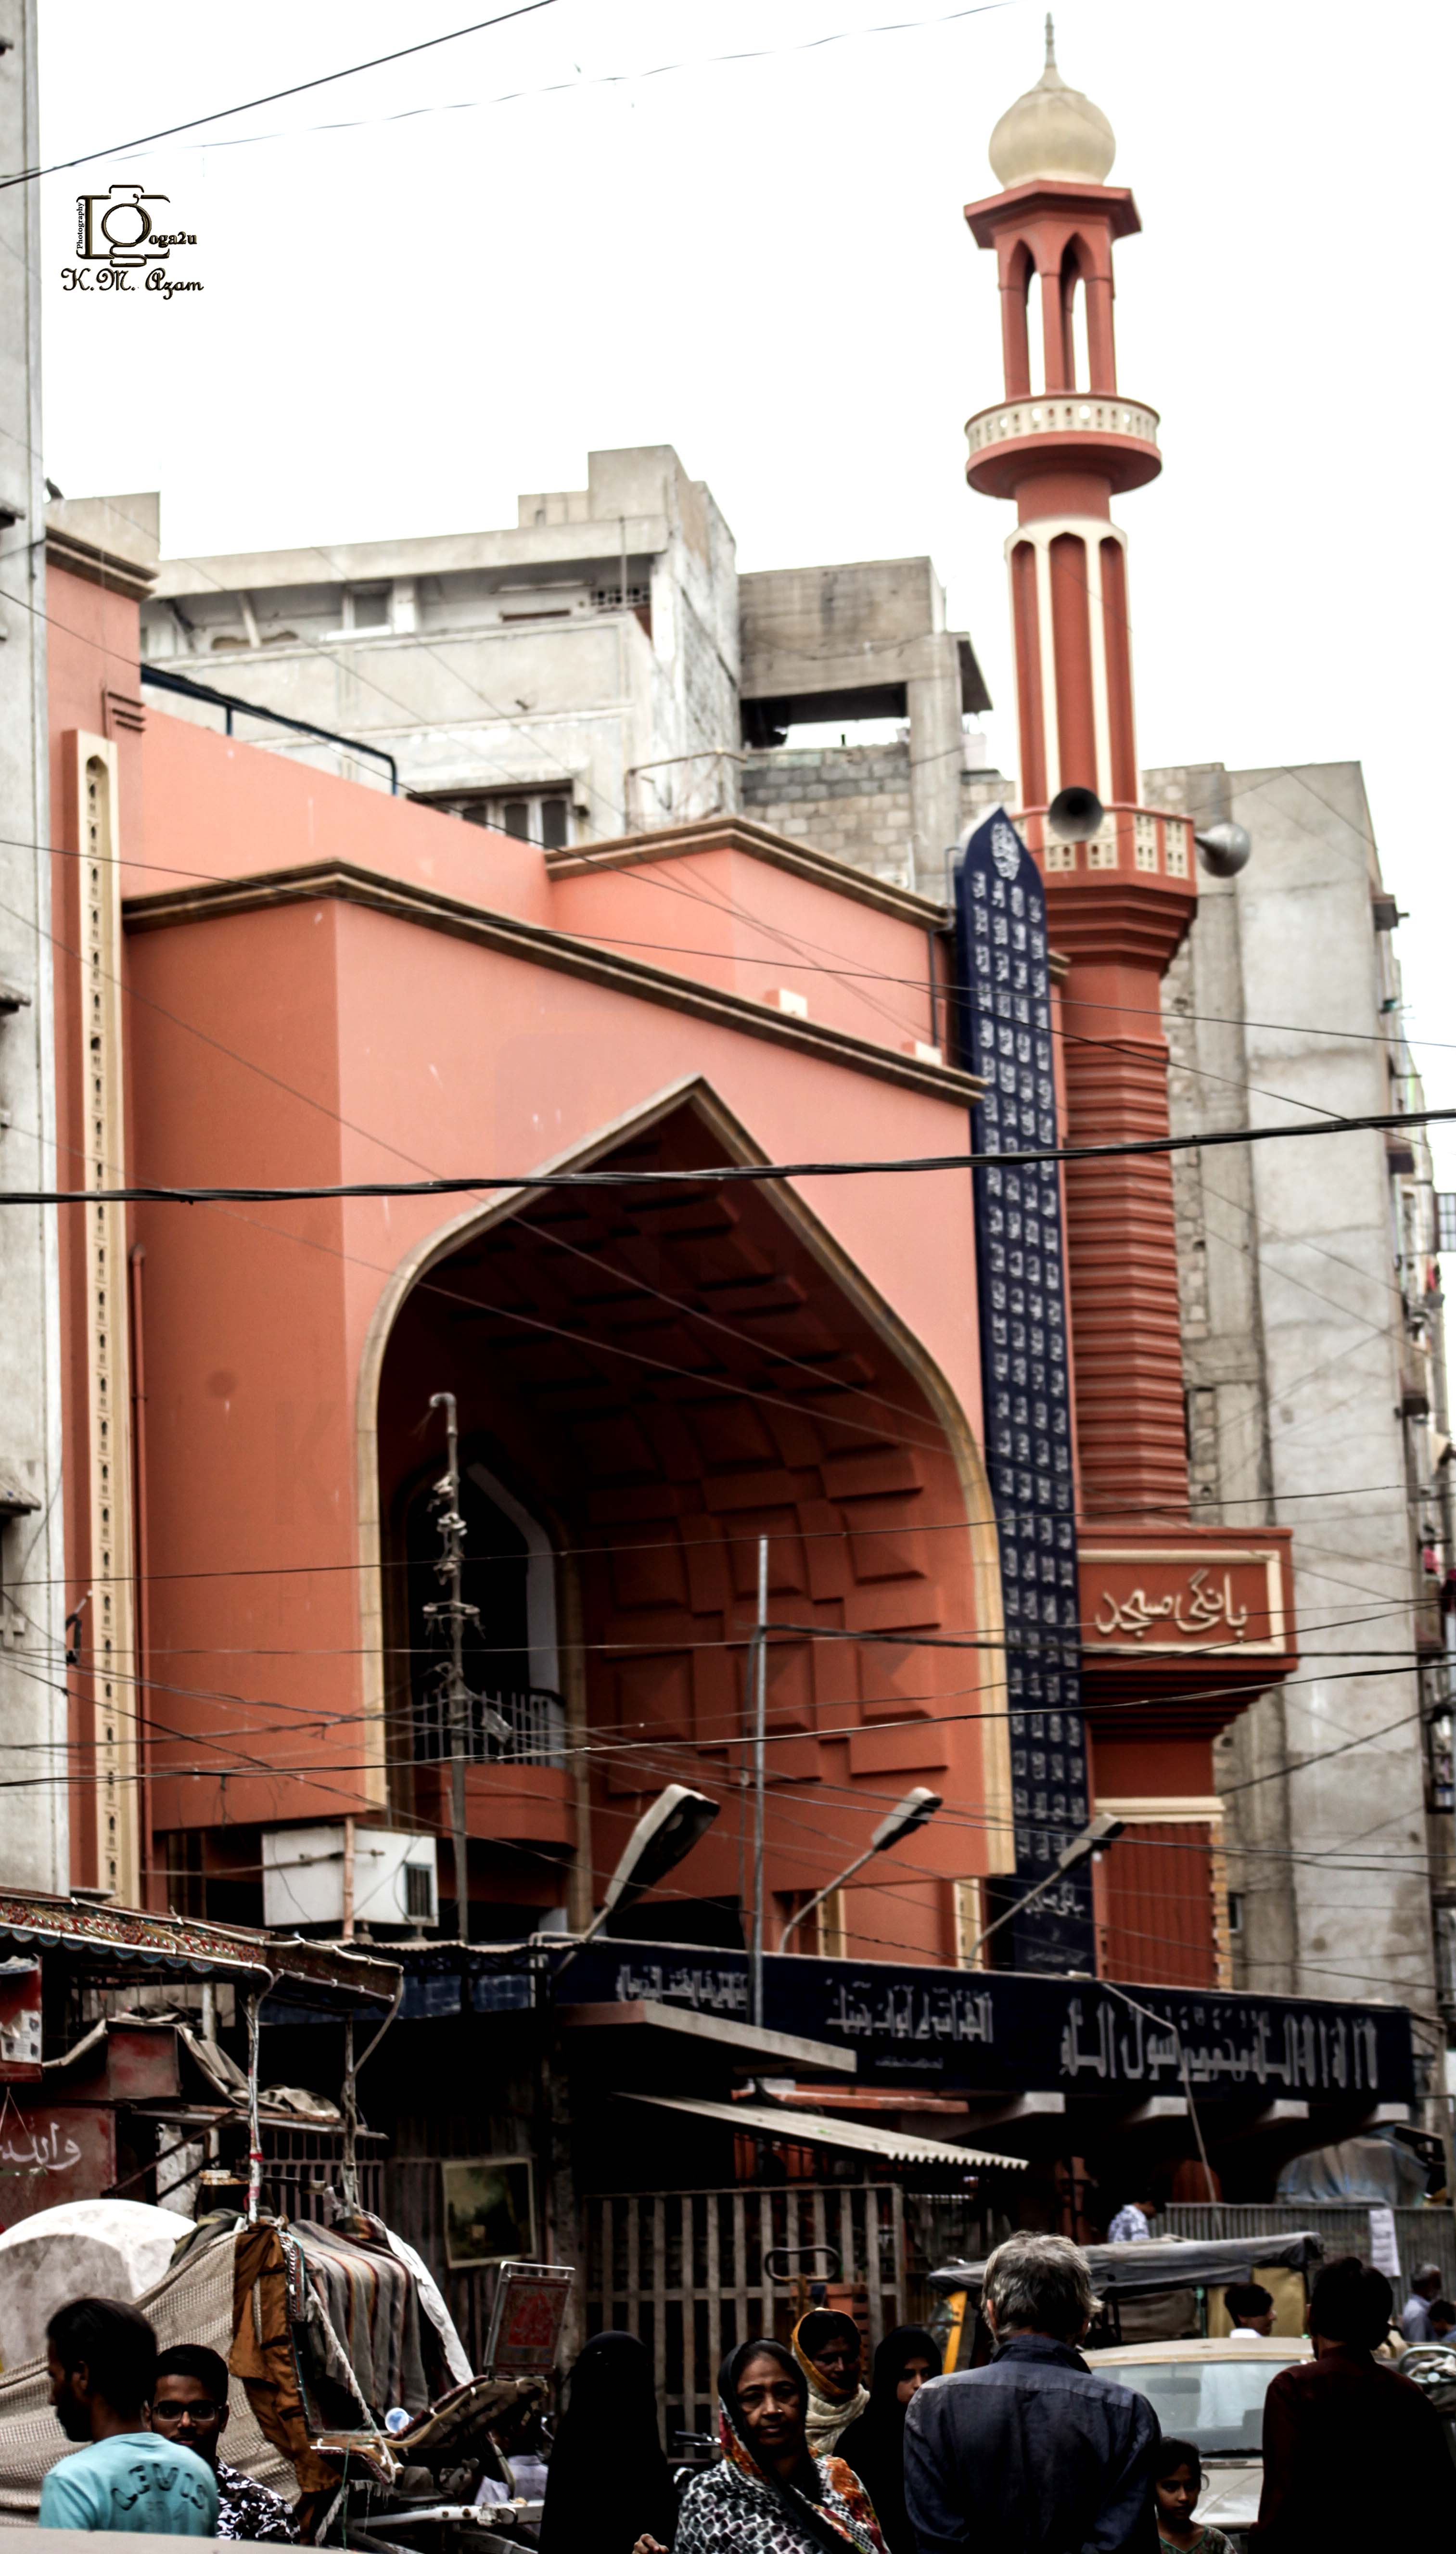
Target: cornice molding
757	843
537	945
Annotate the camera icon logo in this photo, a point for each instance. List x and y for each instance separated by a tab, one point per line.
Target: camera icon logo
116	229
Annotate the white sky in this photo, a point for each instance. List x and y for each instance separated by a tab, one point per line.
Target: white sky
764	263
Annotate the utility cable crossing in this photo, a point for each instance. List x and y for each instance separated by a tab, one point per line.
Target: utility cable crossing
714	1175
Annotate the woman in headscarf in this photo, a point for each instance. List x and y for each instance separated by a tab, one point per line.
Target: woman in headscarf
607	2483
874	2445
827	2346
770	2496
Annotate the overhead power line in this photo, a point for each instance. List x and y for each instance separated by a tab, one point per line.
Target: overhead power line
272	96
717	1174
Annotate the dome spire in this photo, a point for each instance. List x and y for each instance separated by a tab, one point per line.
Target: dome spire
1052	132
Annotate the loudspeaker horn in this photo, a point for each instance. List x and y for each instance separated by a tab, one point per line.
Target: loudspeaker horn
1224	850
1074	815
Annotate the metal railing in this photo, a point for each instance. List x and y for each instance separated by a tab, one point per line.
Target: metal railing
535	1719
1343	2226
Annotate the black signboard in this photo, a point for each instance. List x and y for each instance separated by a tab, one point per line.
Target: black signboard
978	2031
1005	1018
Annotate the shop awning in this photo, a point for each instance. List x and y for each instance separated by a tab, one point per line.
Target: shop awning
808	2128
124	1939
749	2047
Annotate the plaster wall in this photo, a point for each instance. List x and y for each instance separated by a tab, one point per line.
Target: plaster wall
1294	1332
320	1041
33	1808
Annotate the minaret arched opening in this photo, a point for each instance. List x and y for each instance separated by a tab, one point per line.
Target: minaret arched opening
1073	349
1016	329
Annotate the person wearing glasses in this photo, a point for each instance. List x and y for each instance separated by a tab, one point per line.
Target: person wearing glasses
190	2406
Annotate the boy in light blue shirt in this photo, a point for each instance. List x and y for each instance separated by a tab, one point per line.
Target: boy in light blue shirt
126	2478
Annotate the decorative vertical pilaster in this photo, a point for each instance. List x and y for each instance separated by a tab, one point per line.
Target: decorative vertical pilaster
116	1702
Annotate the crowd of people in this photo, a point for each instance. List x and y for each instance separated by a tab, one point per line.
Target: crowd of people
1033	2451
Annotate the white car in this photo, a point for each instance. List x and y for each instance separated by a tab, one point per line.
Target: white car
1210	2393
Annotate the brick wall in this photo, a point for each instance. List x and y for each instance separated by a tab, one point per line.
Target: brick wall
855	800
852	800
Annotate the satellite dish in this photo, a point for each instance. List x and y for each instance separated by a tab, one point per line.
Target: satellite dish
1074	815
1224	850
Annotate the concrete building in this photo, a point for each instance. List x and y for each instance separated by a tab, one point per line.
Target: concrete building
1313	1359
511	684
572	678
32	1808
860	643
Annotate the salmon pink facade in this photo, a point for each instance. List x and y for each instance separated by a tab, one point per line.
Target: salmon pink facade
307	983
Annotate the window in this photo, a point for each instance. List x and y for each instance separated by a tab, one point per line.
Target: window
1235	1914
608	598
1175	847
1445	1221
1216	2404
419	1892
1102	849
1145	841
510	1654
367	607
1440	1789
1060	856
539	815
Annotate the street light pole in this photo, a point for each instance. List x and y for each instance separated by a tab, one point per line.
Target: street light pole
907	1815
1093	1839
452	1611
761	1691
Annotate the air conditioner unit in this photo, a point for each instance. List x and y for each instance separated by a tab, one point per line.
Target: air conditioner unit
303	1877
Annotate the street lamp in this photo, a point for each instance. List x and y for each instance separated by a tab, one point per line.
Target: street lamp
1092	1840
661	1837
912	1812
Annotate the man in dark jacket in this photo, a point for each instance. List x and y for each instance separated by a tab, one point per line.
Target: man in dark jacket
1032	2454
1354	2455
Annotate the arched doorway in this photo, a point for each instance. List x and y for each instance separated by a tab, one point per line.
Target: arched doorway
649	1379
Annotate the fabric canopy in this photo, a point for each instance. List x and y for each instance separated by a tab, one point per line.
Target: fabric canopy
1148	2270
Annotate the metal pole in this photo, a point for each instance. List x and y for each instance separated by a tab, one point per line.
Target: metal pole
255	2132
349	2105
448	1568
838	1881
760	1690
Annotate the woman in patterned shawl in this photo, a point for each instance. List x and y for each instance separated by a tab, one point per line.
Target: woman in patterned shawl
827	2346
769	2496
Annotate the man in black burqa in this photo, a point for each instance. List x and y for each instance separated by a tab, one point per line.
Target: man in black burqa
1032	2454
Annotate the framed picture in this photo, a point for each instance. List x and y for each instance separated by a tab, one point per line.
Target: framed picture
489	2210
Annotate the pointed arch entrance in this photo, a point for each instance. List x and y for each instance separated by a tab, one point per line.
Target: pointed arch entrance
652	1378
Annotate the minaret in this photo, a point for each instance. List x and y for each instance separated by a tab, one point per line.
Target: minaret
1120	876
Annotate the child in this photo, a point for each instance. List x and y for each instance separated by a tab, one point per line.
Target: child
1178	2479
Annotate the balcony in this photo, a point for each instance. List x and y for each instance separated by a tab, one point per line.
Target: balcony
1063	430
1142	842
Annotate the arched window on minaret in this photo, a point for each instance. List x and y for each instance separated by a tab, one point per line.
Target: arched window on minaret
1017	333
1076	363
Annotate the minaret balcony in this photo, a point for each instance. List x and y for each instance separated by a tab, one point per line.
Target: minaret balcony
1117	439
1132	886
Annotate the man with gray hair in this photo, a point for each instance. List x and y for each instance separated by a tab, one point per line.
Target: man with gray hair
1415	2322
1032	2454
